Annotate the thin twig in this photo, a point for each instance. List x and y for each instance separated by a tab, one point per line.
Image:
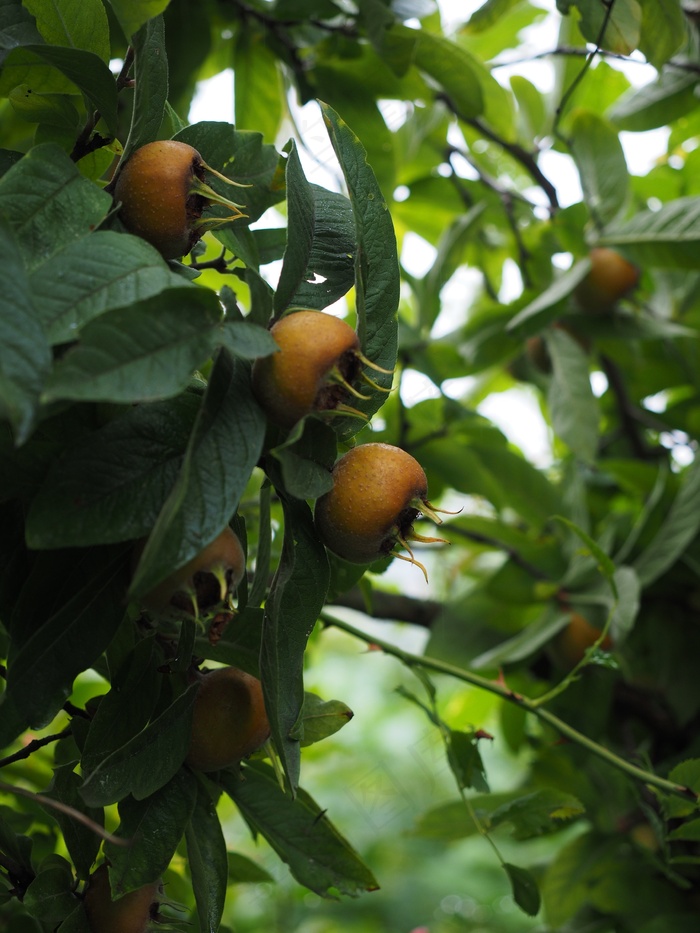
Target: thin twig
33	746
64	808
498	688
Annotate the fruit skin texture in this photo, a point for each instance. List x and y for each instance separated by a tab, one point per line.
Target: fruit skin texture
569	645
376	488
229	721
131	913
611	278
214	572
154	190
292	383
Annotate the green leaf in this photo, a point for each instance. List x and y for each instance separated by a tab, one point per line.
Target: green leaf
155	827
151	85
526	894
111	485
321	718
529	640
664	30
242	870
126	709
132	14
572	406
292	608
545	308
604	564
300	231
667	237
679	528
689	831
224	446
542	811
246	340
600	160
148	761
686	774
56	110
299	831
140	353
49	897
465	760
82	842
25	357
670	96
107	270
449	65
376	259
85	70
80	24
258	89
622	23
207	860
48	203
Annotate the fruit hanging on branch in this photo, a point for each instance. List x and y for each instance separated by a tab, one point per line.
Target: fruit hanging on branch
318	361
378	492
611	278
163	194
132	913
204	583
229	721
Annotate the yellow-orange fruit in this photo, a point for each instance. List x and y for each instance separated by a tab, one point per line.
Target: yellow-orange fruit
377	493
569	646
611	277
213	574
131	913
229	721
297	380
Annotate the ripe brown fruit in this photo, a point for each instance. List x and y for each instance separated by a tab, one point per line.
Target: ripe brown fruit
132	913
569	646
378	492
163	194
229	721
611	278
318	360
204	582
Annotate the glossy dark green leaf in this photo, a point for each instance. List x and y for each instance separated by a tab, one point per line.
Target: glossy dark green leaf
48	203
300	832
292	608
142	353
50	897
25	357
81	24
465	760
224	446
111	485
148	761
208	861
155	827
258	89
246	340
670	96
666	237
300	231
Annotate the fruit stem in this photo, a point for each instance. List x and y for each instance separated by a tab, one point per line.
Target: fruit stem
500	689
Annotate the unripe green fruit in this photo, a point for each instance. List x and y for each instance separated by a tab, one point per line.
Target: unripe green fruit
378	492
229	720
203	582
317	360
163	195
611	278
132	913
